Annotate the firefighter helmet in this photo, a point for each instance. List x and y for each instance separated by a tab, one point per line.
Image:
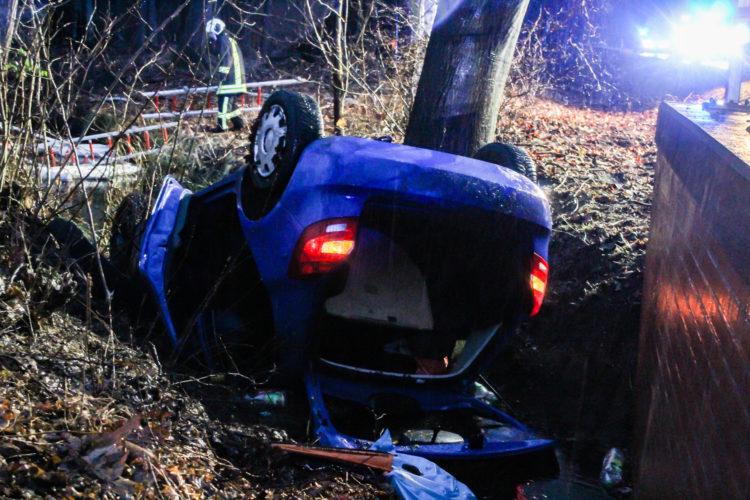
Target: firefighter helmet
215	27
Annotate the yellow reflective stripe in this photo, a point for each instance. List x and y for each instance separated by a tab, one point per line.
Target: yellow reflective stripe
240	87
236	61
223	114
223	69
230	89
236	112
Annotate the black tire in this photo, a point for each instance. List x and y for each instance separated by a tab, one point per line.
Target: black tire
509	156
127	228
273	157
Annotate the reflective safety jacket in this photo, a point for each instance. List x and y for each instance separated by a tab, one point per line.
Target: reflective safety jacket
231	66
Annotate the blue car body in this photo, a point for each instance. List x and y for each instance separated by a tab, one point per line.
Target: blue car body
379	184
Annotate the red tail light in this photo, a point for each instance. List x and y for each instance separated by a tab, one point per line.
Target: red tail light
538	282
323	246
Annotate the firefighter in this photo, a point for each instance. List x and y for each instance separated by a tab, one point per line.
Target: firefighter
231	70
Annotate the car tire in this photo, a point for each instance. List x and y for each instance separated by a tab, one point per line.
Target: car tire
128	224
286	124
509	156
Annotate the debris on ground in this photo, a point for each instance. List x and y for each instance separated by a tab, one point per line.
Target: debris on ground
412	477
86	416
416	478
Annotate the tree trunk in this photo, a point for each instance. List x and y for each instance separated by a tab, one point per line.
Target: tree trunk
463	75
337	72
193	33
8	18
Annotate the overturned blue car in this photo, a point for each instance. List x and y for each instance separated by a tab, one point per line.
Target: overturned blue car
386	277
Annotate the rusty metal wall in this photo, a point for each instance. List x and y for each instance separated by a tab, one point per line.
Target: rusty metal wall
693	383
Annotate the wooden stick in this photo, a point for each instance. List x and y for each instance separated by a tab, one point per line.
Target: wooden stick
373	459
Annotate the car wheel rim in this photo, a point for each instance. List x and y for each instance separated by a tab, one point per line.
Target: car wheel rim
270	140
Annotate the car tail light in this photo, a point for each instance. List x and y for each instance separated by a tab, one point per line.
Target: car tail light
538	281
323	246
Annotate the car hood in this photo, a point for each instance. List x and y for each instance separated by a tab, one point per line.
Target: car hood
349	165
